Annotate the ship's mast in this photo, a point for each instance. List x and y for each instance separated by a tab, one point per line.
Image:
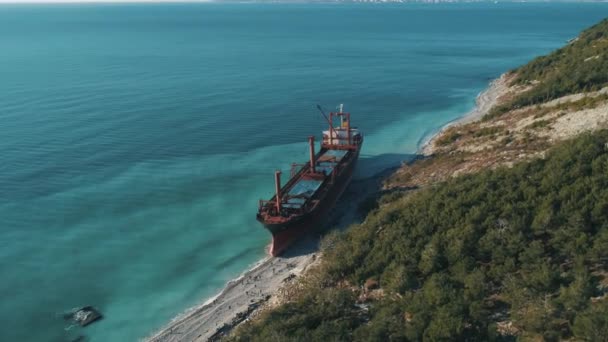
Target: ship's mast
311	143
277	183
329	120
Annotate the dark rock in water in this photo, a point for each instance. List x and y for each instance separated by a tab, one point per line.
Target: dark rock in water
84	316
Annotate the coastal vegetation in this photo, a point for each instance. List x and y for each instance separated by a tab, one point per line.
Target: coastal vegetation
501	234
520	250
577	67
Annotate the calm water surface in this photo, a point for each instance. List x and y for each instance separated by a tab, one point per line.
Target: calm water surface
136	139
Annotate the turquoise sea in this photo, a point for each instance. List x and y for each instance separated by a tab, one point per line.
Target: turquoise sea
136	140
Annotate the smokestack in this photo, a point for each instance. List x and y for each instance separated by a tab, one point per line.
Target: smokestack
277	182
311	142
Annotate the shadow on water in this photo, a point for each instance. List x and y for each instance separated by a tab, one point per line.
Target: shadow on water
347	211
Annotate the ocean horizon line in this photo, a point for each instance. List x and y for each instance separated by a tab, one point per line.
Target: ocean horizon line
426	2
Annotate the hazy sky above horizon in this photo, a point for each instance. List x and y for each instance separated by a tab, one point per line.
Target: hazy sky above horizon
92	1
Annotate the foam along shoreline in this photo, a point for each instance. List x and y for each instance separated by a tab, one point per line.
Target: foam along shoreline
483	103
241	297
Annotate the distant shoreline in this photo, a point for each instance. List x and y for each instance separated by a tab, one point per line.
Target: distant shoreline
93	2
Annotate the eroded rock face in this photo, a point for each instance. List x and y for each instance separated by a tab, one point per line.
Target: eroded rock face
83	316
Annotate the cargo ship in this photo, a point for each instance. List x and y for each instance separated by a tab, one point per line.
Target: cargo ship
301	205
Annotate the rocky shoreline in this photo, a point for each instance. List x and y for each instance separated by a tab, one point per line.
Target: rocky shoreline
239	299
487	99
257	288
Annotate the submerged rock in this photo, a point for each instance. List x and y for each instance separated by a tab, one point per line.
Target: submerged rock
84	316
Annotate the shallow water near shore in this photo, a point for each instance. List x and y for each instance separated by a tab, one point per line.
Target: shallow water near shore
137	139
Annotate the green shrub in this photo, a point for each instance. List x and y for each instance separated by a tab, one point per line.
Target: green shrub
485	131
539	124
528	235
448	138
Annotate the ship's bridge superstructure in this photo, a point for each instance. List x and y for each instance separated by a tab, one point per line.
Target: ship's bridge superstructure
342	137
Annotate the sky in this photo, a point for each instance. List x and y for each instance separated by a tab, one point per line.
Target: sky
92	1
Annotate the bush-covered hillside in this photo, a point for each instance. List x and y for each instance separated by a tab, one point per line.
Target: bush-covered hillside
520	251
580	66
